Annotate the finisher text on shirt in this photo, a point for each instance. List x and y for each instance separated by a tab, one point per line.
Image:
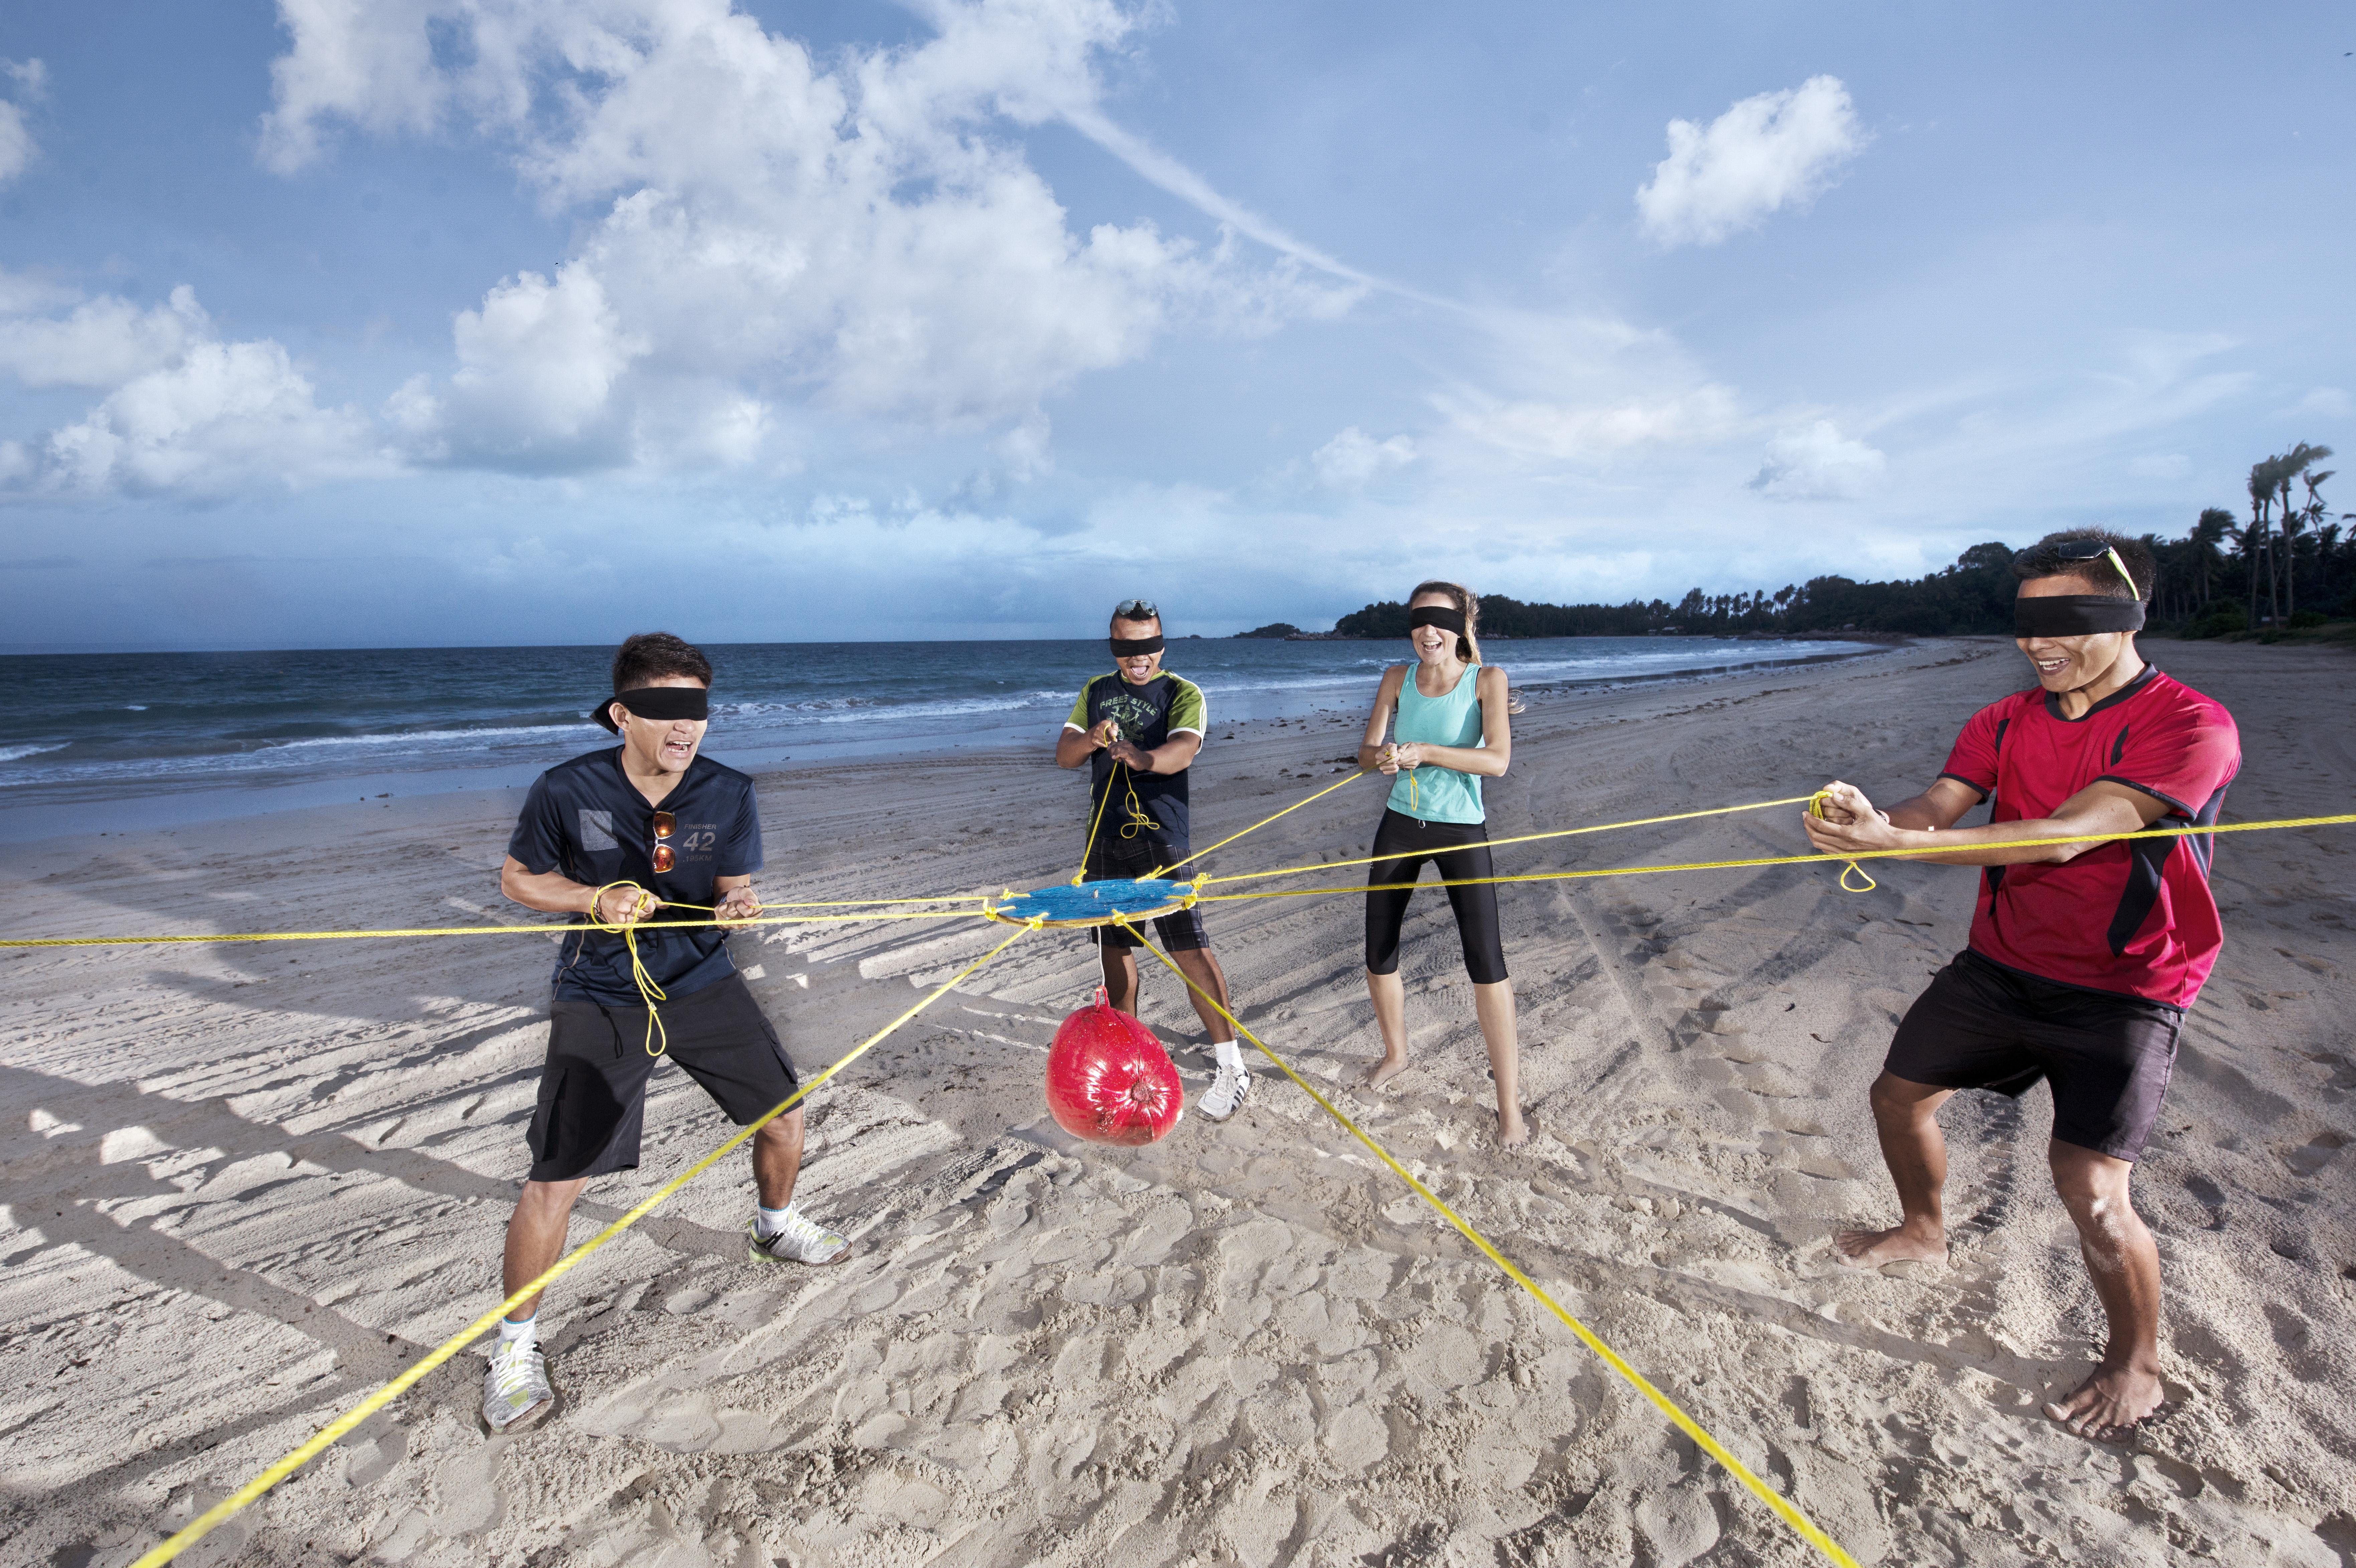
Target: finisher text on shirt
2129	919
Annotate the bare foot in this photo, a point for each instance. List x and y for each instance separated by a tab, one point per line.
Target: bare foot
1511	1131
2106	1406
1872	1249
1385	1071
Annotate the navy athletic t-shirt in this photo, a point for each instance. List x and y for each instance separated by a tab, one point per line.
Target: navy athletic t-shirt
585	819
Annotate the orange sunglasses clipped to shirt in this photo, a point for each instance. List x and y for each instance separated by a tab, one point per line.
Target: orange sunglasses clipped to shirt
665	825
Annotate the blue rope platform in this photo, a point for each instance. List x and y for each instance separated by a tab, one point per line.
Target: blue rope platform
1081	904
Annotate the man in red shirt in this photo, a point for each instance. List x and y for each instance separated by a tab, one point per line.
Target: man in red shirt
2083	956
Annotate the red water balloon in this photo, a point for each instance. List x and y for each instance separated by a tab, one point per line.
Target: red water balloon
1109	1079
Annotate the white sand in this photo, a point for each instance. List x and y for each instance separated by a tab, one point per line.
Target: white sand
245	1184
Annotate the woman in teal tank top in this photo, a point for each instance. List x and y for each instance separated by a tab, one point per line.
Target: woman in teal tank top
1449	721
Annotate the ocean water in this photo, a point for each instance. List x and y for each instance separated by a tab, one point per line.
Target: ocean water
196	734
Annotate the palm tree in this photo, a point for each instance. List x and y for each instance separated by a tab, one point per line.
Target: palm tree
2314	513
2207	533
2288	466
2255	537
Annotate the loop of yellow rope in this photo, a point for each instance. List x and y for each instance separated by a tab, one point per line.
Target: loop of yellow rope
1817	809
1784	1509
1139	821
205	1523
648	992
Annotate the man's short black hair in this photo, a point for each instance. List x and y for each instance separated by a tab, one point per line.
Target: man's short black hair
653	655
1138	619
2046	559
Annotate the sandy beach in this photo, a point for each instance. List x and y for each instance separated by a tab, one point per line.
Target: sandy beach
227	1217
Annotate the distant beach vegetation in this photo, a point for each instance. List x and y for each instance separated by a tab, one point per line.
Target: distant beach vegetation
2290	569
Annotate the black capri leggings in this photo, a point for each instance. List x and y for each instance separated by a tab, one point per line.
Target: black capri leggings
1459	849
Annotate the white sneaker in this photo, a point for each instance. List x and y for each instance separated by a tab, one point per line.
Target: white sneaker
515	1390
1228	1093
801	1241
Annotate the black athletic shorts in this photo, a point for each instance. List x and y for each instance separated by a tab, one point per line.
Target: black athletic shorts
1115	859
593	1091
1983	1026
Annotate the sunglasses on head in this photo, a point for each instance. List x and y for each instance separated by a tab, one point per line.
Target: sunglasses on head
1136	610
665	825
2078	550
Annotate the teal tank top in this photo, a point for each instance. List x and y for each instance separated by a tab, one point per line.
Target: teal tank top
1438	794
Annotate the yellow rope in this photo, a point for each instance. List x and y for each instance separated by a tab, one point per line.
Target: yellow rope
1790	1514
1817	809
854	903
1494	843
1812	859
648	992
462	930
1255	827
196	1529
1138	823
1089	848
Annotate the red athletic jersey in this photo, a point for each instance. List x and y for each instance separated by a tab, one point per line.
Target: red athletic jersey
2133	920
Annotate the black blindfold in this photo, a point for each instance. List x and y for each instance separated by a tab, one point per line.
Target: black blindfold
1434	615
1135	646
662	703
2074	615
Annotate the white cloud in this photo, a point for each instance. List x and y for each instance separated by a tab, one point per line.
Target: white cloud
1817	463
16	145
226	416
1768	152
2160	466
850	234
1354	457
104	342
536	366
183	411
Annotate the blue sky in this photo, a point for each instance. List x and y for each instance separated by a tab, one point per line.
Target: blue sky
484	321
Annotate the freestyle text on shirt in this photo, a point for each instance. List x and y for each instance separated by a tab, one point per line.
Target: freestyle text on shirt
2131	920
585	819
1148	716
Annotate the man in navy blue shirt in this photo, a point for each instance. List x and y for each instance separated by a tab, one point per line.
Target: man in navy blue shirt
616	835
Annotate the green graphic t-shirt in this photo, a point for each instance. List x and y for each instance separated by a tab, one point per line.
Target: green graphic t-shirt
1148	715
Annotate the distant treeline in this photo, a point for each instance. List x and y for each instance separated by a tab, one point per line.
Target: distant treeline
1973	594
2291	564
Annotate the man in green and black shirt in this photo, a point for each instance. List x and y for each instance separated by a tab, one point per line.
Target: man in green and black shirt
1140	729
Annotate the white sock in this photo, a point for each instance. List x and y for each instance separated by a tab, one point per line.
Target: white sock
514	1333
767	1222
1230	1054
